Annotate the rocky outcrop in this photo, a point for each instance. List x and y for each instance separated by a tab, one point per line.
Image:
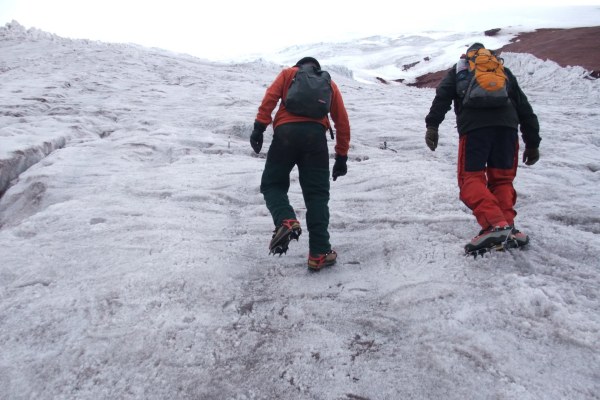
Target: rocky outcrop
576	46
492	32
430	80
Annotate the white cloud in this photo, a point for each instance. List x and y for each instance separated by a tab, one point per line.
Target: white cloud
224	29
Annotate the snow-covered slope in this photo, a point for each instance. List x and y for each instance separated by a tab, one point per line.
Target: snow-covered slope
133	259
404	56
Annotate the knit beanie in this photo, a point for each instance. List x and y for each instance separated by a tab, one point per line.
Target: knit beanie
308	60
475	46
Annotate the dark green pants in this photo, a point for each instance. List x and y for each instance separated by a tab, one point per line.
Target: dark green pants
303	144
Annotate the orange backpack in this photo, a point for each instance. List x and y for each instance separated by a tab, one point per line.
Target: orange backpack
488	83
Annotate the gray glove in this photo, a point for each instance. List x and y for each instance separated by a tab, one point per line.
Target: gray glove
339	167
531	156
431	137
256	138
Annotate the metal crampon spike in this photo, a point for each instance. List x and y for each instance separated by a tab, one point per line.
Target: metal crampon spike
278	250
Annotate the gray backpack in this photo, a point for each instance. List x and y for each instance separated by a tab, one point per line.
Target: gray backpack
309	94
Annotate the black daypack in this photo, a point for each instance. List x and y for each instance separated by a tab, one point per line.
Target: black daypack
310	93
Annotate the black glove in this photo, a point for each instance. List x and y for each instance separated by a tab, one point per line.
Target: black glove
531	156
339	168
256	138
431	137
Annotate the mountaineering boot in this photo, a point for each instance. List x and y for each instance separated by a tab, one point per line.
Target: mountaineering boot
318	261
491	237
518	238
288	230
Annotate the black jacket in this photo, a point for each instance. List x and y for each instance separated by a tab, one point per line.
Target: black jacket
518	112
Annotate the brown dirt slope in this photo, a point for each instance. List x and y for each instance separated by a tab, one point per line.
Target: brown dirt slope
576	46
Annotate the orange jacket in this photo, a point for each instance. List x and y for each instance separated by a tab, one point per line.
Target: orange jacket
278	90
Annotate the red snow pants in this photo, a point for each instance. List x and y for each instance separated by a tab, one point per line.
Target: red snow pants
487	166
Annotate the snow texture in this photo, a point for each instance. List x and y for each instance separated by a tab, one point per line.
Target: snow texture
133	238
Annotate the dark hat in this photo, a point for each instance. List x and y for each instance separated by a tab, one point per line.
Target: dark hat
475	46
308	60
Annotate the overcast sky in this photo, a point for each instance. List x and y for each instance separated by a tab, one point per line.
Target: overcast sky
225	29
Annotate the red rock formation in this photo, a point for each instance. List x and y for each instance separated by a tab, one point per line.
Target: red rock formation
576	46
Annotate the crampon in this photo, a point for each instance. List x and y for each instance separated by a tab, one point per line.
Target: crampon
509	243
282	236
